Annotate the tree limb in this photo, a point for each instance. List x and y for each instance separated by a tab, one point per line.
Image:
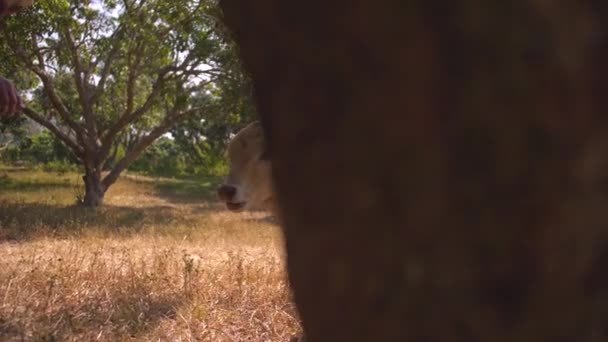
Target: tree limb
127	118
82	88
78	150
6	145
133	74
49	86
145	141
131	114
193	14
107	64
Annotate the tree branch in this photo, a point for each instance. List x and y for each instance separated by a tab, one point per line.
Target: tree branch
49	86
107	64
82	88
78	150
129	7
193	14
173	117
131	114
133	74
127	118
7	144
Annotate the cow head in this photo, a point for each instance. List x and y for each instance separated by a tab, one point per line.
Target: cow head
249	183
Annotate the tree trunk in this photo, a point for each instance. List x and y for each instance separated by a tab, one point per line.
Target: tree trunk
441	167
94	189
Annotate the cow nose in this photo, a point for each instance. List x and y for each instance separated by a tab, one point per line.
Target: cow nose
226	192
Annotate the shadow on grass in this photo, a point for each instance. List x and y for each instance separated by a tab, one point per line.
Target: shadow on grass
21	221
8	184
184	191
173	190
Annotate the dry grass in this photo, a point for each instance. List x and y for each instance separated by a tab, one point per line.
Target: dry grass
161	262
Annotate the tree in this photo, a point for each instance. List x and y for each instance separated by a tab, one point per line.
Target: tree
441	166
163	157
11	131
204	136
114	68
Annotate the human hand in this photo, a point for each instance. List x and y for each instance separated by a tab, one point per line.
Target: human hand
10	102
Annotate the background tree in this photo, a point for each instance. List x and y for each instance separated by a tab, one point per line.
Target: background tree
109	69
204	136
11	130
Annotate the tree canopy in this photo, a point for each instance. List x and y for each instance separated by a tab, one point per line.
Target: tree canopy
98	74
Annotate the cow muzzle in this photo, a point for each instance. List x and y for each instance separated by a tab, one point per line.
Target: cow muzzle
226	193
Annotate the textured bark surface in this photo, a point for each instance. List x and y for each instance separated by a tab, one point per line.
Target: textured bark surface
94	191
441	167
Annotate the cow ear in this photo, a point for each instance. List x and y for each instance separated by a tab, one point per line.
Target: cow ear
265	155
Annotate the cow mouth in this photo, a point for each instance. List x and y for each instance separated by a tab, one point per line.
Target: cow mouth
235	206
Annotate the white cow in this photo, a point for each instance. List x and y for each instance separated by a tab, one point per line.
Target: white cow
249	183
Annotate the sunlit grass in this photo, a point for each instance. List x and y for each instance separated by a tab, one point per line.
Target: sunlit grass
161	261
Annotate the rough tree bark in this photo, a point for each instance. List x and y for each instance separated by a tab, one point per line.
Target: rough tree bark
441	167
94	190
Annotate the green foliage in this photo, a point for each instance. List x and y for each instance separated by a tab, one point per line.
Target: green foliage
11	131
169	159
123	51
60	166
119	73
45	148
204	135
40	148
161	158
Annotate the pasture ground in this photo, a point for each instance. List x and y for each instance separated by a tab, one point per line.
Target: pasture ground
161	261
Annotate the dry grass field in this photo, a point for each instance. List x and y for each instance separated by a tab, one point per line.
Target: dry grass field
162	261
